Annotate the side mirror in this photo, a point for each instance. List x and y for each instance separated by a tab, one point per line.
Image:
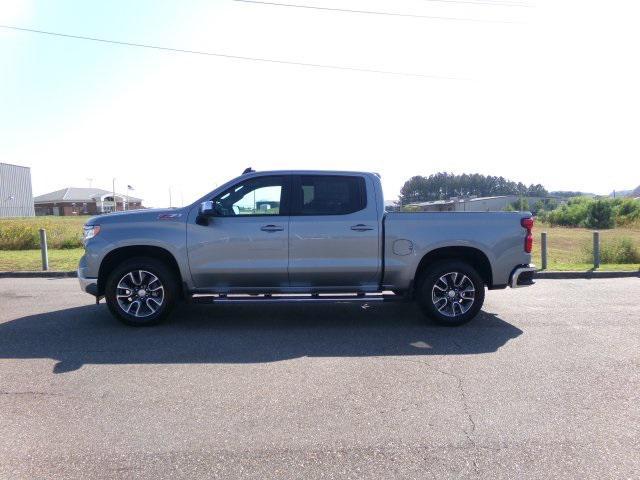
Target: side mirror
207	209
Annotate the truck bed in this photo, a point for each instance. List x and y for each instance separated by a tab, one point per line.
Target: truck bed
408	237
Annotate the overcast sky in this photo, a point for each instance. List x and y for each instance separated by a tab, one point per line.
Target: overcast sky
552	97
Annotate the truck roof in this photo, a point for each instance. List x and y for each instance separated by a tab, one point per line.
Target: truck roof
309	172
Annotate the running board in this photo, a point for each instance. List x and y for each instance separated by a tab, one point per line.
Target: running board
313	298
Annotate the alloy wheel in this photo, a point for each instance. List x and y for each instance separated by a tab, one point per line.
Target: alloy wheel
453	294
140	293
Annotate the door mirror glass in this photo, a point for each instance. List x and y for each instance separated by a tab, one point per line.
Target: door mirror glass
207	209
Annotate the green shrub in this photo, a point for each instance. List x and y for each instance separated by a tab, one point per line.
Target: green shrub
543	207
589	213
600	214
521	205
627	212
572	214
621	250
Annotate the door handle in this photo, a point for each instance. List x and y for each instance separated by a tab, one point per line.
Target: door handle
361	227
272	228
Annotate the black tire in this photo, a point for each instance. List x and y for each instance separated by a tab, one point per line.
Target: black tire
144	270
437	302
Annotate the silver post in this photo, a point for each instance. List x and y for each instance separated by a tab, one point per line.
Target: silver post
543	249
596	249
43	249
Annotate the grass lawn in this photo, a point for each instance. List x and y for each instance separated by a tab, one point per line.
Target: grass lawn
572	248
23	233
15	260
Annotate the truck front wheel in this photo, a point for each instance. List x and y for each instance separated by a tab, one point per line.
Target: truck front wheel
141	291
450	292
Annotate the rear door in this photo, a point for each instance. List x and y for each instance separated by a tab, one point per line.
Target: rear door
333	232
245	245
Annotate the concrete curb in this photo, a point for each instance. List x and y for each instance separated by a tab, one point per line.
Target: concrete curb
539	274
568	275
38	274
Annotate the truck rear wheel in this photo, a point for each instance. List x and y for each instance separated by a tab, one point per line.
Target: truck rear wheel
450	292
141	291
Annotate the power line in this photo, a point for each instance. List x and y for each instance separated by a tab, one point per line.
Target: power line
233	57
370	12
471	2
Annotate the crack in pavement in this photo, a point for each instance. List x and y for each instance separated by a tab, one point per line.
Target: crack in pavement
465	407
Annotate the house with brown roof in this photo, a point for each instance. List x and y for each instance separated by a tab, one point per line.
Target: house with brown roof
84	201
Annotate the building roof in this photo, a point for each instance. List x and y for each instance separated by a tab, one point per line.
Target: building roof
14	165
72	194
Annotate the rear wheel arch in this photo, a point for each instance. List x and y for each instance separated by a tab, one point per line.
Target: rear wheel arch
450	292
119	255
475	257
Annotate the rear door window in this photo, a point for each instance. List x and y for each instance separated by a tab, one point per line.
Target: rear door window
329	195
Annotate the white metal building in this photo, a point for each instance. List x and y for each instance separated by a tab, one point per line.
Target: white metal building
16	199
474	204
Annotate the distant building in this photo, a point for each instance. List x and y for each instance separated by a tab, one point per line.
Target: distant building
474	204
83	201
16	199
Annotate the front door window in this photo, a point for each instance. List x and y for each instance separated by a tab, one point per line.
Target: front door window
255	196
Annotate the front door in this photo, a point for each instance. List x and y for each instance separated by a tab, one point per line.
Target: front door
245	244
334	233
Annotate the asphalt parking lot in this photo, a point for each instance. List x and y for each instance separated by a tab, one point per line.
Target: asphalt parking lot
545	383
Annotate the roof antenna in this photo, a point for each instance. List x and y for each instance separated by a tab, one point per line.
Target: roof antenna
248	170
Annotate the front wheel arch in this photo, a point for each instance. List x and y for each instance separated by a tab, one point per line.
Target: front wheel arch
115	257
114	289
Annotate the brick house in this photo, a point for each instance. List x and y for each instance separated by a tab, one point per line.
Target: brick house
83	201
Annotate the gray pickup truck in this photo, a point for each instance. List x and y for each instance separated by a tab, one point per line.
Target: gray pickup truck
302	236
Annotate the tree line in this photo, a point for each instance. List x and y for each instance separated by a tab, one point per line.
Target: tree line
443	185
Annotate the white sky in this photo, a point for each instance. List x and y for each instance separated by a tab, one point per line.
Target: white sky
554	99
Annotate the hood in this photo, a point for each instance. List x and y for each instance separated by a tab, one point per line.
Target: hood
146	214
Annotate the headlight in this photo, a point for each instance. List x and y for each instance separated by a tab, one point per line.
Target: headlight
90	231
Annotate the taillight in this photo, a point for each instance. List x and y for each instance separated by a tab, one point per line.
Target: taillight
528	240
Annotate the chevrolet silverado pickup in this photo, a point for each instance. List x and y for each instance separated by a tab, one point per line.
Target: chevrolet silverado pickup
302	236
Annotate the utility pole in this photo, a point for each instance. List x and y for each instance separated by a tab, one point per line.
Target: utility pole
169	197
90	180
